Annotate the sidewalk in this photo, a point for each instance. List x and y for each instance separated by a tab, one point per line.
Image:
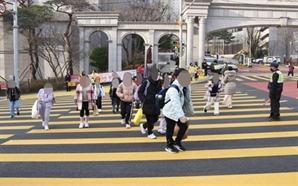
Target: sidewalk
106	88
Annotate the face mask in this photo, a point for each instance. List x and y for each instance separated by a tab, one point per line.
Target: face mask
271	70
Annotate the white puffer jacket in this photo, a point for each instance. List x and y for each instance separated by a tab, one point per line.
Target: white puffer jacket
99	90
174	108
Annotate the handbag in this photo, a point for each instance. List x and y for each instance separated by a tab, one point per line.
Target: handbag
176	130
95	111
138	117
34	113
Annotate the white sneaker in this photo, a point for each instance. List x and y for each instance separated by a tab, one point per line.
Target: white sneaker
81	125
127	126
216	114
143	131
161	131
230	106
46	127
86	125
99	110
151	136
43	123
122	121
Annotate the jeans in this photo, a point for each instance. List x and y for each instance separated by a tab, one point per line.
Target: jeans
13	105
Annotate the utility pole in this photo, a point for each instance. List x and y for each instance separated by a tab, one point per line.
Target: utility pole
180	35
16	42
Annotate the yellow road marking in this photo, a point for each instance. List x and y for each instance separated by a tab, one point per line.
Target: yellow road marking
270	179
145	140
197	112
15	127
22	116
5	136
149	156
238	79
263	78
27	111
252	79
265	179
192	126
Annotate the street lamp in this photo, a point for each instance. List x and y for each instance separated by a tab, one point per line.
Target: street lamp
15	42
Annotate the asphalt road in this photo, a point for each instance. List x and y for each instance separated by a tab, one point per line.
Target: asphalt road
239	147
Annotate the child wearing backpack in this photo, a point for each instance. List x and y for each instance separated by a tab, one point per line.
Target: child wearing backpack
99	94
212	95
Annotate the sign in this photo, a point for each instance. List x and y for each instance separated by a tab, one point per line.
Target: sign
3	86
104	77
2	8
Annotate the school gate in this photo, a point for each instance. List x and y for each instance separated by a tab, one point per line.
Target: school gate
201	17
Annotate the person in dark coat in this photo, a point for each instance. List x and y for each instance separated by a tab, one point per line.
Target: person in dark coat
114	98
67	80
13	95
147	97
205	67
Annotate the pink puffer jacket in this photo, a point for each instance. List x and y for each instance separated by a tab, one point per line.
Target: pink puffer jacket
126	94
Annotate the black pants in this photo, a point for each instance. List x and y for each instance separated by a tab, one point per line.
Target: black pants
290	73
98	102
205	72
170	131
85	108
115	102
68	88
274	106
126	111
151	119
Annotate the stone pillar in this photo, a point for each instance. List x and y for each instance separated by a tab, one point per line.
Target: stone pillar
189	47
118	63
86	56
113	50
202	37
82	49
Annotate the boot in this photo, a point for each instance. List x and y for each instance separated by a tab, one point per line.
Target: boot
216	108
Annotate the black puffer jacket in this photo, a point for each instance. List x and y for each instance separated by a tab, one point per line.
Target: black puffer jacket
149	107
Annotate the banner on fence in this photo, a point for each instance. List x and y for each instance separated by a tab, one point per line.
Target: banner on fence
104	77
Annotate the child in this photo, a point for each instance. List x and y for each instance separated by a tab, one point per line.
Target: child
99	94
212	95
13	94
46	100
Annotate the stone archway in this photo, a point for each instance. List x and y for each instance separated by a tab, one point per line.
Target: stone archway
99	51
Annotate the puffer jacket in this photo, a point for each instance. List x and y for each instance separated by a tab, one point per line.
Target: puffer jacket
174	108
126	94
149	107
229	82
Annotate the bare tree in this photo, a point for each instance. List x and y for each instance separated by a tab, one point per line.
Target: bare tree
291	35
253	40
69	7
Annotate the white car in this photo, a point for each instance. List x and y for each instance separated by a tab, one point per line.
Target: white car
260	60
230	64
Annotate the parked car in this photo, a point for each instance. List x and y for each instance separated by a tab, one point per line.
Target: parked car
209	61
270	59
259	60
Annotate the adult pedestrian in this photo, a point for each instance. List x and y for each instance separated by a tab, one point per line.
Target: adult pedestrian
46	99
229	86
125	92
291	69
13	94
177	105
147	95
275	88
205	67
67	81
84	98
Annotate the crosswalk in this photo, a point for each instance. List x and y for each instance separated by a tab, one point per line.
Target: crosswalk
255	78
239	147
